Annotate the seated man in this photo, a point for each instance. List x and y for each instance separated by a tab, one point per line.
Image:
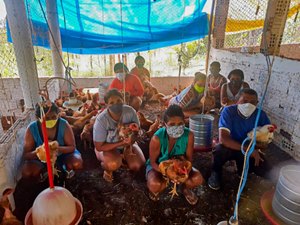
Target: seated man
189	98
231	92
172	141
215	82
58	130
133	85
139	70
234	124
108	145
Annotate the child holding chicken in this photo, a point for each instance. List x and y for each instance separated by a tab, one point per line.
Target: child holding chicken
171	151
235	124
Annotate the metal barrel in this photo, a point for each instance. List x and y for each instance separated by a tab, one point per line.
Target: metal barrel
286	200
202	127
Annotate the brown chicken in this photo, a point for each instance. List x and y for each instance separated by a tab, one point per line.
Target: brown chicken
126	131
176	171
208	102
145	123
7	217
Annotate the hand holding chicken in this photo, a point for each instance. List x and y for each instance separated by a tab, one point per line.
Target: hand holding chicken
41	152
175	170
264	134
128	133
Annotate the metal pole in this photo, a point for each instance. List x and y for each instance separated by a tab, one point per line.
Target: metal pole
55	39
20	33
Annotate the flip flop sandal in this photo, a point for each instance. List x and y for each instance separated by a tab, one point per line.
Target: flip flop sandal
153	197
107	176
190	197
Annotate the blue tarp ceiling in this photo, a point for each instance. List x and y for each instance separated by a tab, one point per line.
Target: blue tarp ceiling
110	26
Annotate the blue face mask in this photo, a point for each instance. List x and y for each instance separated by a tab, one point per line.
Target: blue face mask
175	131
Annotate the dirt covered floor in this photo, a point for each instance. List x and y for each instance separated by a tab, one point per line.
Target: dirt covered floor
126	202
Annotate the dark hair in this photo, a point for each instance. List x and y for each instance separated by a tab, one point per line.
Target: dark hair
236	72
172	111
249	91
112	92
52	108
119	66
139	58
216	63
199	76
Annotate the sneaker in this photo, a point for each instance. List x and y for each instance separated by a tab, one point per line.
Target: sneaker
214	181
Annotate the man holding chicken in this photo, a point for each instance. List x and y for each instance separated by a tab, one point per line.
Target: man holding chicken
235	123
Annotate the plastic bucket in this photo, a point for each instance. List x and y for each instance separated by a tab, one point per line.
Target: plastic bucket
202	127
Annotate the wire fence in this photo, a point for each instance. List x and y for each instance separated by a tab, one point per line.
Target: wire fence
291	33
245	23
8	62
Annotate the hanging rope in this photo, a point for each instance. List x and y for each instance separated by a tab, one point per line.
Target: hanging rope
212	13
179	73
66	66
252	144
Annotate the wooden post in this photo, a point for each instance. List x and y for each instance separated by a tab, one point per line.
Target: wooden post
112	64
274	26
220	20
21	36
55	39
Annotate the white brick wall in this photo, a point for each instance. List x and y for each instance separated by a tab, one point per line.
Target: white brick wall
11	92
282	101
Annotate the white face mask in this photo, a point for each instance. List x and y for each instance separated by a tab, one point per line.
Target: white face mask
120	76
175	131
246	109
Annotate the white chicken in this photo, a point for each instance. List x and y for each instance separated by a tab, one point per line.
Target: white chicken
264	134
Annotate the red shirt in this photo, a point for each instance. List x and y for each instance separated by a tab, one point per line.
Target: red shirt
133	85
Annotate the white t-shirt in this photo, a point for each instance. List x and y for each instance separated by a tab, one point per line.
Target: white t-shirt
105	127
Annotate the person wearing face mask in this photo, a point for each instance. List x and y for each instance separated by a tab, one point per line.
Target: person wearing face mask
58	129
108	146
139	70
133	86
172	141
215	82
234	124
189	98
230	92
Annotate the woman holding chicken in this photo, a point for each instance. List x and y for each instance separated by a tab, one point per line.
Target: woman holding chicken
113	133
62	144
171	151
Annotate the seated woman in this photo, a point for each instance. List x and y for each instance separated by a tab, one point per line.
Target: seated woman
173	140
108	146
133	86
58	130
189	98
231	92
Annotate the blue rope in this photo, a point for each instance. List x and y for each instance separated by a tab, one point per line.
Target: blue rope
251	150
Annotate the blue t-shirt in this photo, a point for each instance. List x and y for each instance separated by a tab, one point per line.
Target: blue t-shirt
238	126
